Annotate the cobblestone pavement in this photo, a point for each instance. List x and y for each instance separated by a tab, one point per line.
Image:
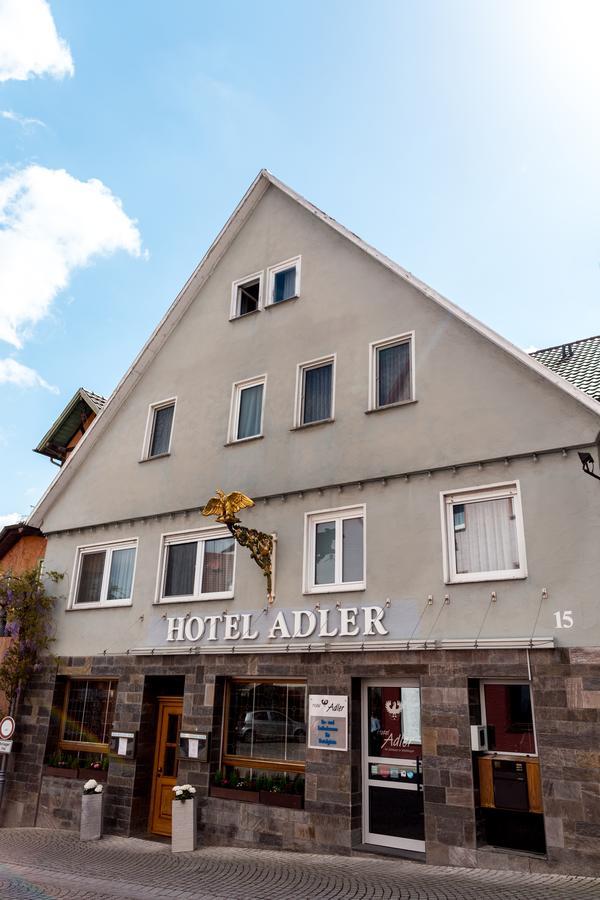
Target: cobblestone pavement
36	864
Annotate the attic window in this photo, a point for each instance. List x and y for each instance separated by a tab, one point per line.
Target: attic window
246	295
284	281
159	429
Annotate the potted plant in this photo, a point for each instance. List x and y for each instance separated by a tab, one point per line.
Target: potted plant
233	787
99	768
92	802
283	792
61	765
184	812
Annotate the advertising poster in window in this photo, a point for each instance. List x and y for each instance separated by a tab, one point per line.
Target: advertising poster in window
327	722
394	722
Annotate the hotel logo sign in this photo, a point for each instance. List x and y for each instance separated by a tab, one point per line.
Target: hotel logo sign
327	722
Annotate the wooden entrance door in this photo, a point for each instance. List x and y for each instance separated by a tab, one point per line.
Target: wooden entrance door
164	775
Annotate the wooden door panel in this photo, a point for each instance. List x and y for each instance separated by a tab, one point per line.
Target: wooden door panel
164	775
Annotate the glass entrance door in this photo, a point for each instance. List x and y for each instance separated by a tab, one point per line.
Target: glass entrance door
392	768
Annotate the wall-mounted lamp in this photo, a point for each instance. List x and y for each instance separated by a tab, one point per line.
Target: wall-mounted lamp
587	463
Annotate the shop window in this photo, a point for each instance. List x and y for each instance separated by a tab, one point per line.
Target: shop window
334	552
87	715
104	575
509	718
265	726
197	565
483	534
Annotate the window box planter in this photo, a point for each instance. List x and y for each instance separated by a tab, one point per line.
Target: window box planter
59	772
227	793
287	801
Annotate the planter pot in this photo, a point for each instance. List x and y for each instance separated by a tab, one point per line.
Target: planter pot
92	806
287	801
97	774
59	772
225	793
185	825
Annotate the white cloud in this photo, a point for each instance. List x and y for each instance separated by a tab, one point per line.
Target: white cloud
21	120
51	224
10	519
29	42
13	372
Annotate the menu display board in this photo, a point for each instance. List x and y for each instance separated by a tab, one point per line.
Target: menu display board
327	722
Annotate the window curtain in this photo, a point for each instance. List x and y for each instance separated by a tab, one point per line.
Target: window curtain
284	285
325	553
250	411
217	571
317	394
121	574
488	542
393	372
181	568
352	543
161	432
90	579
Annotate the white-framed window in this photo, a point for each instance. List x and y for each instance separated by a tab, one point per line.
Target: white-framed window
246	295
104	575
159	429
334	550
392	371
483	534
283	281
247	408
196	565
315	391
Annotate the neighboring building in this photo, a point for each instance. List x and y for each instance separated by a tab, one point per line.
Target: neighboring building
577	361
21	547
436	568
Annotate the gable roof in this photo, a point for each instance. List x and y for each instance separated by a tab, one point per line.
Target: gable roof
578	362
263	181
12	534
56	440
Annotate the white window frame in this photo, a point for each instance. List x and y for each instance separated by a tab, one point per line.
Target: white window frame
236	285
199	536
374	347
149	432
273	270
501	491
109	548
311	520
234	414
508	682
301	370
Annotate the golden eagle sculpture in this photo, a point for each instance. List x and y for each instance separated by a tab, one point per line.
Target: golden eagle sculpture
225	506
260	544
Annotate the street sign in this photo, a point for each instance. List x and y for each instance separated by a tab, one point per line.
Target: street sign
5	746
7	729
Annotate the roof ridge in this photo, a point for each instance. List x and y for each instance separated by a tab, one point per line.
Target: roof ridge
594	337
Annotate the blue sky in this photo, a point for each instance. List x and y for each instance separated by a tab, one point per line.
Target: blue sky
460	138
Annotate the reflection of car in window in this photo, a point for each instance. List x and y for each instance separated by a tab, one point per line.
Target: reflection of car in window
270	725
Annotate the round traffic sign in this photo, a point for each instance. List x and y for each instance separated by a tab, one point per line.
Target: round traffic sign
7	728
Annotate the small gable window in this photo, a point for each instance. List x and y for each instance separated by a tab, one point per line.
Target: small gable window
246	295
315	388
392	372
284	281
246	417
159	429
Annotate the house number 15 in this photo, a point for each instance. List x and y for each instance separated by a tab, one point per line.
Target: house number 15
563	618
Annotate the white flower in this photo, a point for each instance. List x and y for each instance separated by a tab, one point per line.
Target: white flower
98	789
90	785
178	792
192	790
185	787
176	788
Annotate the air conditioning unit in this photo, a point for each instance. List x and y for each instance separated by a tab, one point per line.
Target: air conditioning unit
479	739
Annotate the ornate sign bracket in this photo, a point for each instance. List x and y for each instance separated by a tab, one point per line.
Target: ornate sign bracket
260	544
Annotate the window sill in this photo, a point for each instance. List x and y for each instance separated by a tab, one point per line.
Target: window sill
111	604
312	424
335	589
255	437
251	312
224	595
281	302
152	458
479	577
378	409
